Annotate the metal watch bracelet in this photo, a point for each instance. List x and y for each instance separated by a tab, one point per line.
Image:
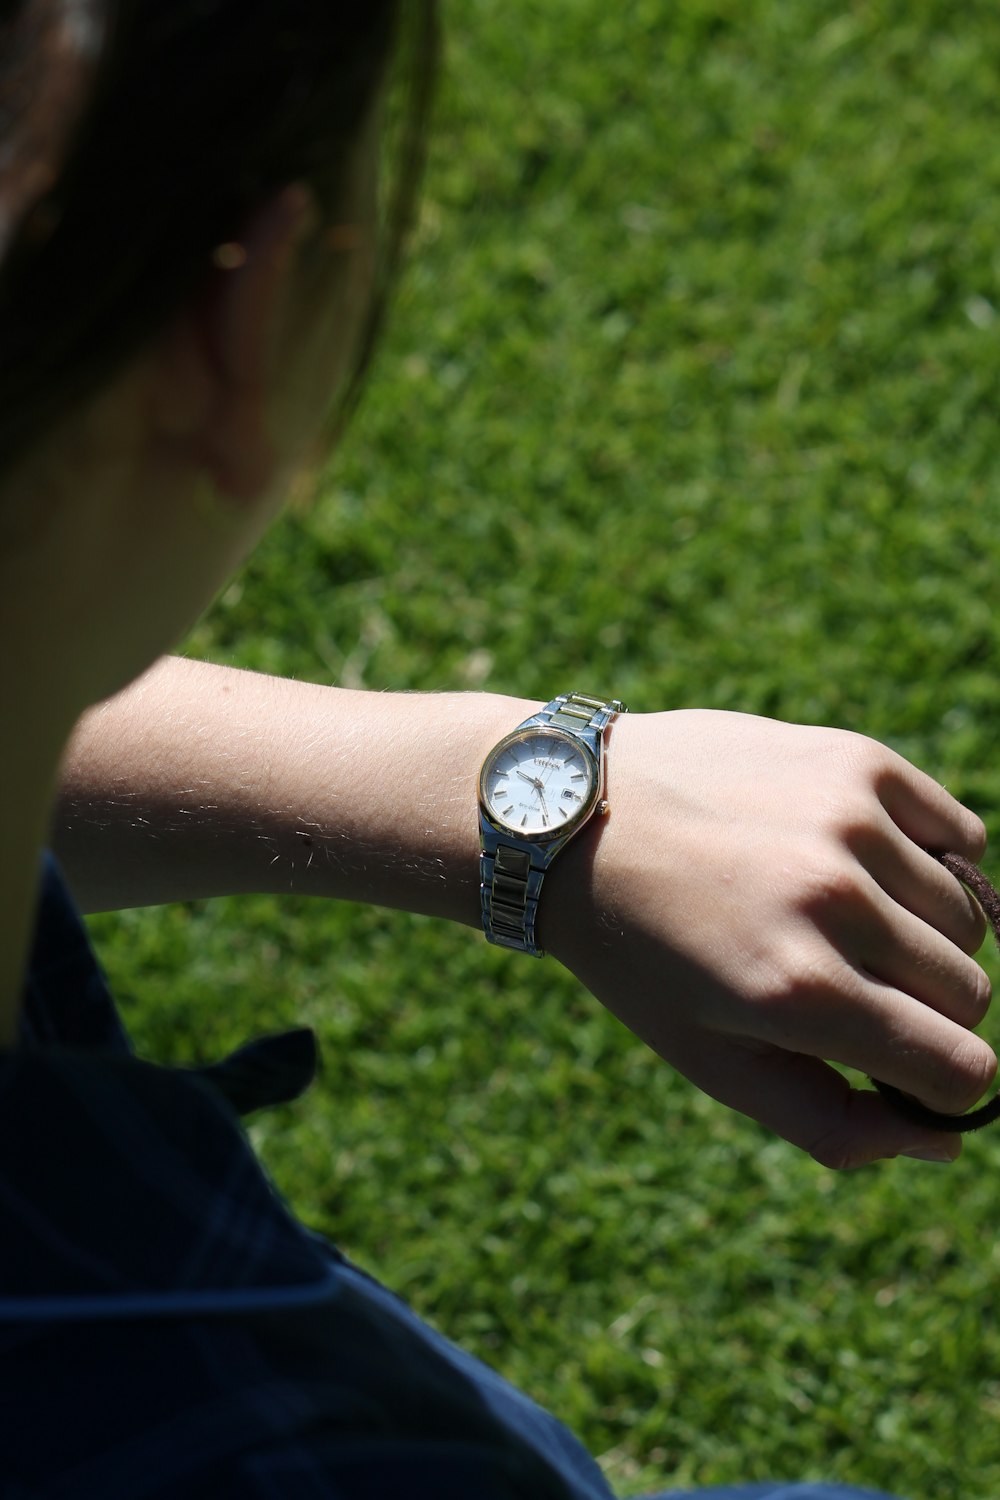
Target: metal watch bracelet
512	869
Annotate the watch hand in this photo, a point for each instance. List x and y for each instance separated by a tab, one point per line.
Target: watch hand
532	779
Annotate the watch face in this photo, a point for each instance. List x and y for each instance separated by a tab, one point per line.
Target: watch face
538	782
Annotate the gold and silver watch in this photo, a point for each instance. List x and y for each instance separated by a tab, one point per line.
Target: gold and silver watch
537	788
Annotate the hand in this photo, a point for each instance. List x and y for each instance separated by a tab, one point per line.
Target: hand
759	903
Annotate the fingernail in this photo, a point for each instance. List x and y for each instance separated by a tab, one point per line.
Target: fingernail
931	1153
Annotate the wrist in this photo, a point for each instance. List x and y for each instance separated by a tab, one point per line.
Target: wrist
541	787
580	901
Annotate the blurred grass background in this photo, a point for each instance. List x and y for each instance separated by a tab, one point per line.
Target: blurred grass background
691	395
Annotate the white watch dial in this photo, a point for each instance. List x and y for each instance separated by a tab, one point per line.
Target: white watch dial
537	782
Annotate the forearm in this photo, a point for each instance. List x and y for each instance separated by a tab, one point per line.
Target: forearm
759	901
202	780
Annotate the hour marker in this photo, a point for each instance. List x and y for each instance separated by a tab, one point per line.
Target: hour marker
508	810
578	776
524	821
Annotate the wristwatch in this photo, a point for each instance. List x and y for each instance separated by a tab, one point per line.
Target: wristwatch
537	789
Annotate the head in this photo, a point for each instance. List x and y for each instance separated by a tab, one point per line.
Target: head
192	263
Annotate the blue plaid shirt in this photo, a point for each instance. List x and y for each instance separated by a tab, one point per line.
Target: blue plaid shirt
168	1329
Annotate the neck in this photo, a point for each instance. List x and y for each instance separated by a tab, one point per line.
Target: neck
29	766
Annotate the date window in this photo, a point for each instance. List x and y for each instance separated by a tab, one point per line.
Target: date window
569	795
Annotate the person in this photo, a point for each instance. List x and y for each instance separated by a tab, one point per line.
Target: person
191	263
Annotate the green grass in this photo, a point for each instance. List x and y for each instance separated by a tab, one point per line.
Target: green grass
691	394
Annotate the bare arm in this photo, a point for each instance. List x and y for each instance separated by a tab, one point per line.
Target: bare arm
202	780
759	902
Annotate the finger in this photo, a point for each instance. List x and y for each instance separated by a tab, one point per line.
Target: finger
876	940
811	1105
849	1016
920	1051
912	956
928	814
918	882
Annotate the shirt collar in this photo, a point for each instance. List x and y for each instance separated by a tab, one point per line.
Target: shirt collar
124	1183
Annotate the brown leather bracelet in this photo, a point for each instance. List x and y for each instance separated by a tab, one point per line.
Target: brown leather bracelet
989	899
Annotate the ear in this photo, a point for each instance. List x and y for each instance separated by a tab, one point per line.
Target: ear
214	366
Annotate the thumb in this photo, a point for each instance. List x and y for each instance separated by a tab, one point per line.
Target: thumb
810	1104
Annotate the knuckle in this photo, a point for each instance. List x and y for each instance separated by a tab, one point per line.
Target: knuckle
974	1066
976	837
980	993
836	1150
828	888
846	817
849	762
792	992
977	927
965	990
862	758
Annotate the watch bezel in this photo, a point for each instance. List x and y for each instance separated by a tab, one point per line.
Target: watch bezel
570	824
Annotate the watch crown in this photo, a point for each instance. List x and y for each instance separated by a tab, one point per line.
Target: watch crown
603	808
